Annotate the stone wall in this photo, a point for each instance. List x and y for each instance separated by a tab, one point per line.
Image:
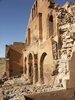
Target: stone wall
2	67
41	44
14	59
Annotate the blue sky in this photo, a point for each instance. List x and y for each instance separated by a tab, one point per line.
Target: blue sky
14	15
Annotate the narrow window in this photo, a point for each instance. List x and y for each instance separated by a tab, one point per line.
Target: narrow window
50	25
34	10
36	7
29	39
40	26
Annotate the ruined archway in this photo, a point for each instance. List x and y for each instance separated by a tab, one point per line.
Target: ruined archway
25	65
41	67
30	62
50	25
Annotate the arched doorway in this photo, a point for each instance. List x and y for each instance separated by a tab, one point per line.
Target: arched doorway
25	65
41	67
50	25
30	62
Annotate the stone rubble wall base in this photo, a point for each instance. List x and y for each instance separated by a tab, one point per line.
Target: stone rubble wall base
63	94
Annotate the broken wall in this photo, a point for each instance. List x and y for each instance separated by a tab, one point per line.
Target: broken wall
14	59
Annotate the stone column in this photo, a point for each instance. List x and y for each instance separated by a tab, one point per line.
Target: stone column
27	68
23	65
39	73
33	71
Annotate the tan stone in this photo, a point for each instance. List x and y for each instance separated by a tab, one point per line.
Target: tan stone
1	94
22	98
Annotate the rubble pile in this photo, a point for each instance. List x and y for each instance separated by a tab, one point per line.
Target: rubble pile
14	88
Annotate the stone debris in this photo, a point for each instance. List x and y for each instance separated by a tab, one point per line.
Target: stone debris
16	89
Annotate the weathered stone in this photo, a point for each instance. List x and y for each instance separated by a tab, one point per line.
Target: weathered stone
22	98
1	94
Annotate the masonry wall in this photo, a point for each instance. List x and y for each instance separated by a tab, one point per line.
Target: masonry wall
14	62
52	40
41	43
34	23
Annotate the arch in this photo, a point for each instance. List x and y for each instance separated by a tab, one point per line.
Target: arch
30	62
50	25
25	65
41	66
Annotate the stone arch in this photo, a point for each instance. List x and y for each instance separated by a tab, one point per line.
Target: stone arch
41	66
25	65
50	25
30	62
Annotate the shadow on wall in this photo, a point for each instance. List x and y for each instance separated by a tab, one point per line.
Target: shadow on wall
16	70
14	55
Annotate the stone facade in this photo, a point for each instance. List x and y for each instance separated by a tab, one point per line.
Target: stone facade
14	59
48	56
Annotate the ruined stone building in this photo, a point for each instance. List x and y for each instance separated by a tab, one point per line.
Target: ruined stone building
47	58
14	59
49	53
